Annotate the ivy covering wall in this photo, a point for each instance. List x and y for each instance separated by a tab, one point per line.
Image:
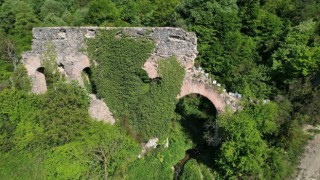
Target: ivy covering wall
145	106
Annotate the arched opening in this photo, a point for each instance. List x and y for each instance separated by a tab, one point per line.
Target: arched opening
62	70
40	70
198	118
39	84
195	111
88	83
191	86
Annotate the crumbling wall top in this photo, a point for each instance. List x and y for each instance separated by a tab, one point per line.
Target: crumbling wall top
71	40
70	46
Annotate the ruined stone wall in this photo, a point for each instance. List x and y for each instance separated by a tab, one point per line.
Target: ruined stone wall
70	47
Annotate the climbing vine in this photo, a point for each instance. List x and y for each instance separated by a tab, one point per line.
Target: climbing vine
125	86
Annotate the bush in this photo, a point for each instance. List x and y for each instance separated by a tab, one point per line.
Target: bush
20	79
191	171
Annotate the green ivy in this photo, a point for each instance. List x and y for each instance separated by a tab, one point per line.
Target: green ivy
126	88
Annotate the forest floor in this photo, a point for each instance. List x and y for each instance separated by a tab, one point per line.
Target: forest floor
309	167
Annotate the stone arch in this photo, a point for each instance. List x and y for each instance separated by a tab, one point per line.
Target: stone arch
193	86
40	70
87	70
39	84
87	80
78	67
192	123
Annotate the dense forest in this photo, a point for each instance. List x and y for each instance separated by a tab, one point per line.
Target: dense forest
263	49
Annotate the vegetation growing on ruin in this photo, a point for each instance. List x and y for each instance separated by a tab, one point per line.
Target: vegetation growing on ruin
259	48
125	86
49	63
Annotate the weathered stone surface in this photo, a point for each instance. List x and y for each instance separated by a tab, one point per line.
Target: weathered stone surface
197	82
195	86
69	43
99	110
151	144
34	70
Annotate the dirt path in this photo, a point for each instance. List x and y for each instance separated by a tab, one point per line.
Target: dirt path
309	167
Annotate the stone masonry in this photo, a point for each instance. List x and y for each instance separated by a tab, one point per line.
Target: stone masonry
72	59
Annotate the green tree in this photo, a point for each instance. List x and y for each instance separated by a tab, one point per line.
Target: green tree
304	10
17	108
265	27
20	80
102	11
8	51
79	17
163	12
243	152
223	51
53	20
17	164
191	171
282	8
296	58
18	21
64	112
137	12
98	153
52	7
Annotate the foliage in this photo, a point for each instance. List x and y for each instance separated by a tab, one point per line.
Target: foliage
224	51
158	163
294	58
15	165
49	133
122	83
195	111
263	26
8	60
61	114
53	20
16	107
18	20
191	170
5	74
261	49
102	11
51	8
243	151
20	79
86	75
81	158
248	149
49	62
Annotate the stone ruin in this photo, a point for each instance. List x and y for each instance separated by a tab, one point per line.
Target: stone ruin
72	59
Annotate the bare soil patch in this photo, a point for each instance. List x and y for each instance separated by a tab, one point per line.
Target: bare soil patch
309	167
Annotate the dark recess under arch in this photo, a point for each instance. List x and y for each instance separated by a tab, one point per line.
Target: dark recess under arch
40	70
89	74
